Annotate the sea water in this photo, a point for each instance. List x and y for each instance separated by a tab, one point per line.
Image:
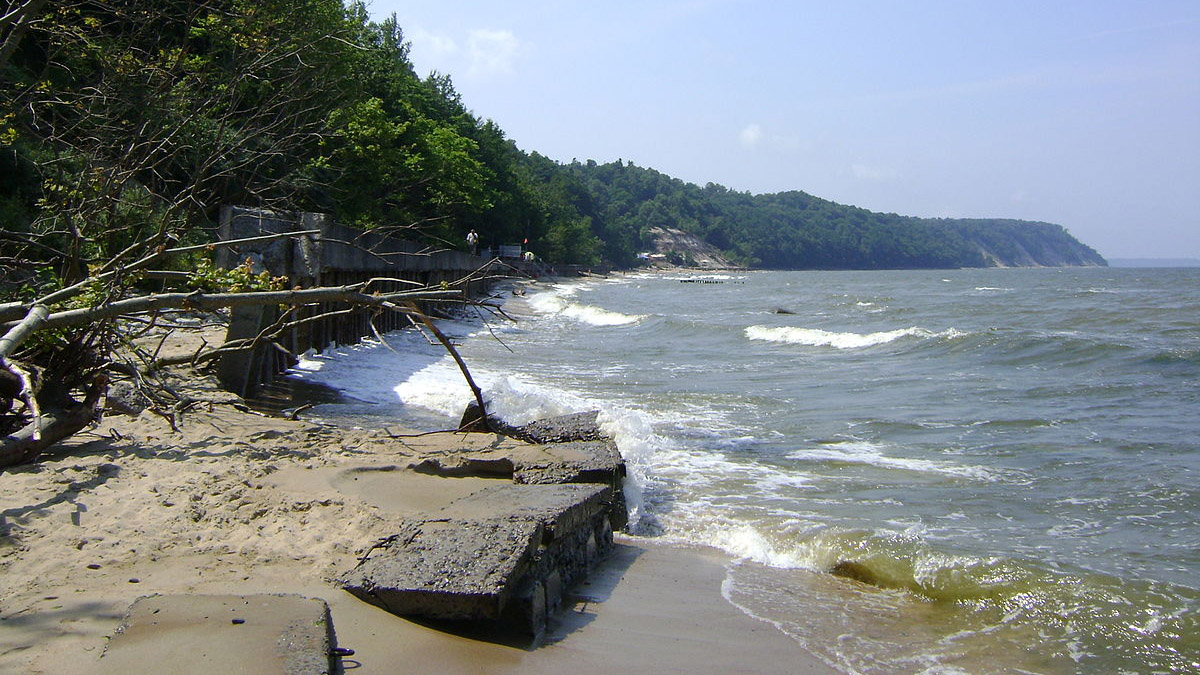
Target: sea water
999	465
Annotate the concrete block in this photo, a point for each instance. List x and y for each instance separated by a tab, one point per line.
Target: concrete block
448	569
559	508
204	634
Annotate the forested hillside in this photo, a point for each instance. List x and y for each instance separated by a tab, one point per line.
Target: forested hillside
133	120
798	230
130	123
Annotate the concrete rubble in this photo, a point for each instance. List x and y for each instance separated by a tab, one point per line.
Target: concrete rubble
508	552
505	552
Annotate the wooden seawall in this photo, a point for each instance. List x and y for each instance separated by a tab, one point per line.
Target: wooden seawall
330	255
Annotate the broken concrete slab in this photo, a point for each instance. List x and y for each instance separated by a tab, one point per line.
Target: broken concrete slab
504	552
507	552
573	462
591	462
447	569
582	426
559	508
204	634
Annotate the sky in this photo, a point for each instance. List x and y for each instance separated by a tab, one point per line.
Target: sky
1084	113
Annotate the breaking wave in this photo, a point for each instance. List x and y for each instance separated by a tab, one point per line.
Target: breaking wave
864	453
559	303
815	337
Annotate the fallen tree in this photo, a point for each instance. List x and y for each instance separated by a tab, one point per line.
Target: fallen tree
52	388
54	412
125	125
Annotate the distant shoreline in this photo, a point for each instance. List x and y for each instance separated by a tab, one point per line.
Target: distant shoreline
1154	262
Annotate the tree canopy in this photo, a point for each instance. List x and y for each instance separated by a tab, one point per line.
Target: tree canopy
123	121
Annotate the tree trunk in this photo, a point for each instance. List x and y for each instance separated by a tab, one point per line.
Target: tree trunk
51	427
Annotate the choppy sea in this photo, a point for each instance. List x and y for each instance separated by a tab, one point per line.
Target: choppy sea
1000	465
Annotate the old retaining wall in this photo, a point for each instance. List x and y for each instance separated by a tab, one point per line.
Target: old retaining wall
335	255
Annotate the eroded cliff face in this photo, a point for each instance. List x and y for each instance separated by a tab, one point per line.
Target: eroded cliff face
691	250
1051	248
1050	256
999	243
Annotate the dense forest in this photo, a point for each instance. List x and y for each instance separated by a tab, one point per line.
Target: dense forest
123	123
791	230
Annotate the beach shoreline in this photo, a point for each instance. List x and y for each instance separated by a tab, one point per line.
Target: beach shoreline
235	502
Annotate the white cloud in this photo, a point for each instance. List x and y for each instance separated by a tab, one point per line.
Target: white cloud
492	51
435	47
872	172
751	135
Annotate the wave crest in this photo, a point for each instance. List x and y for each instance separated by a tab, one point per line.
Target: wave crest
815	337
869	454
557	304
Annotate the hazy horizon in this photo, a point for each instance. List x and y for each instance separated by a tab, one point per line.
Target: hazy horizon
1077	113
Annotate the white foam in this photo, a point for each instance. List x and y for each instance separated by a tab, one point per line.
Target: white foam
862	452
439	387
815	337
557	302
369	371
596	316
748	543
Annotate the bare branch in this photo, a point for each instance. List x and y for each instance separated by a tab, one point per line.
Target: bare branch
348	294
462	365
18	333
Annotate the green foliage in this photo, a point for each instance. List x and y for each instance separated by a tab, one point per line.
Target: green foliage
207	277
130	123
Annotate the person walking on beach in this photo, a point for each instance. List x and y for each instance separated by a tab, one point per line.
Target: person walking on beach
472	241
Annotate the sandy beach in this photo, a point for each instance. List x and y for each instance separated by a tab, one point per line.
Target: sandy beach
235	502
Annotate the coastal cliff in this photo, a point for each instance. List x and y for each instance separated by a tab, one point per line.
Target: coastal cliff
982	243
1016	243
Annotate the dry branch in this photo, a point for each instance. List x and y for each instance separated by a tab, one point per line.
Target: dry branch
11	310
462	365
197	300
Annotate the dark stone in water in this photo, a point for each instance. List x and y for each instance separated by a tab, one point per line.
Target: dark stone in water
473	420
851	569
